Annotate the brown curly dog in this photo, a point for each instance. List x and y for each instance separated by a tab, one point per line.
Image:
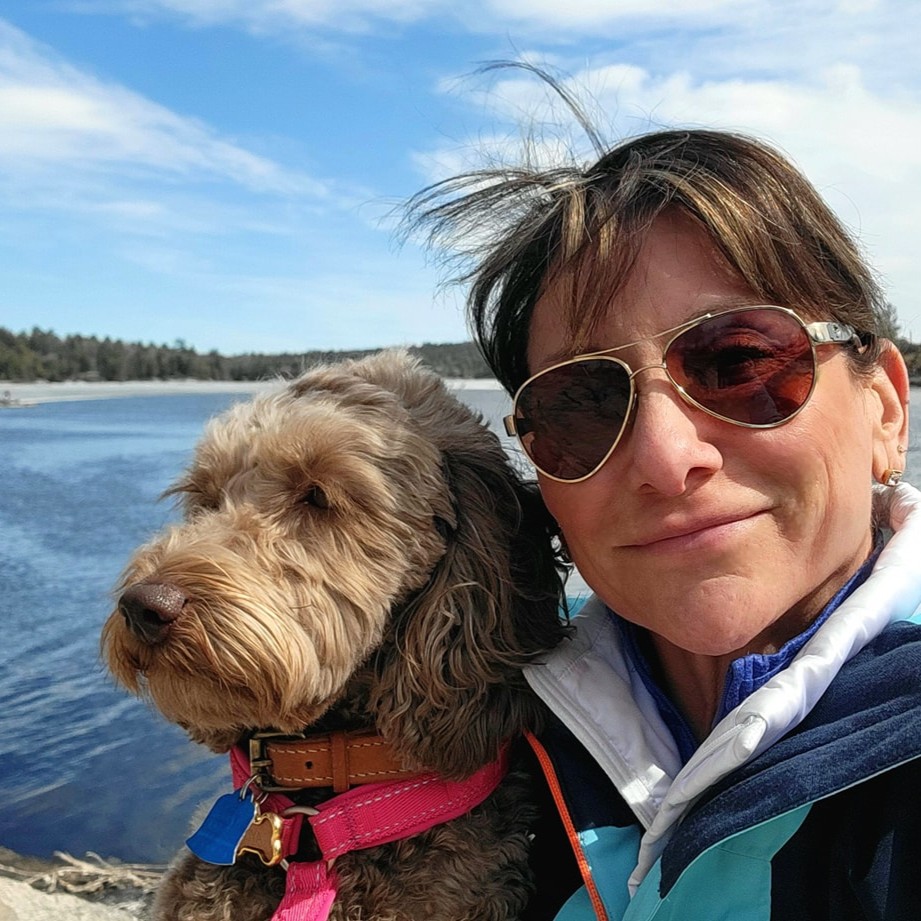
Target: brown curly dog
360	569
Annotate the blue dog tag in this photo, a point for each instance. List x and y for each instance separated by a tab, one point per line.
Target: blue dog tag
219	836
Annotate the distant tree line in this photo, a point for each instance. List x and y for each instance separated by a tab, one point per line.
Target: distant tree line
912	353
42	355
910	350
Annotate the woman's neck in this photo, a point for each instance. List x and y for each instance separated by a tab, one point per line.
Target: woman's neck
693	682
696	683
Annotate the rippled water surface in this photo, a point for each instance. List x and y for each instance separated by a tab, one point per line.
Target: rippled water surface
83	766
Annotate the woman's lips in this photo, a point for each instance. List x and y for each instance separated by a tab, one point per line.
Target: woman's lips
695	533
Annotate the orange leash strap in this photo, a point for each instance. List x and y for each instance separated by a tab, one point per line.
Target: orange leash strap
554	784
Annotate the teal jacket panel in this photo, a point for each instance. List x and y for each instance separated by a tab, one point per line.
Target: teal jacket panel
741	865
730	881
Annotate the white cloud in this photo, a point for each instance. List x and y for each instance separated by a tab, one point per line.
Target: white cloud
274	15
54	116
585	14
574	17
717	36
813	119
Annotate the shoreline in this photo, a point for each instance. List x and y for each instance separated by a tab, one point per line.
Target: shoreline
87	889
15	395
18	395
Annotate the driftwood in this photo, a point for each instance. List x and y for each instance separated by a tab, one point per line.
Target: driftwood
89	877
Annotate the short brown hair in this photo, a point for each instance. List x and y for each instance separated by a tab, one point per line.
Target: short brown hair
531	226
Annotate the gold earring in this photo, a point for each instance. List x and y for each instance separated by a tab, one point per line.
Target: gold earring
902	449
891	477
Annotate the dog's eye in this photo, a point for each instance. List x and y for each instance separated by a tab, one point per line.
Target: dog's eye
316	497
199	506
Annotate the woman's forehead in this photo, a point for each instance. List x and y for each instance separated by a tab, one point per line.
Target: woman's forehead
677	273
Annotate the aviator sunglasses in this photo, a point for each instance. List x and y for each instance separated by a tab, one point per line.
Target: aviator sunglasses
750	366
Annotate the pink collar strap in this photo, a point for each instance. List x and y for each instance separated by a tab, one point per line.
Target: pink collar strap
362	817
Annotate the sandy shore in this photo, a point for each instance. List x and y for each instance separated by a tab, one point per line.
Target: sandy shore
35	889
44	392
16	394
21	902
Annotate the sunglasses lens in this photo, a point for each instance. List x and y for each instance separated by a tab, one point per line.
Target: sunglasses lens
569	417
755	367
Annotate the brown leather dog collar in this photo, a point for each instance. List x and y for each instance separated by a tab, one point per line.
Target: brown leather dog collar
339	760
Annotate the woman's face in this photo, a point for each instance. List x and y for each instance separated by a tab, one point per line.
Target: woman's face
717	538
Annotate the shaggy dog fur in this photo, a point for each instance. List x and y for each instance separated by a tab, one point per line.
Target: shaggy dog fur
356	552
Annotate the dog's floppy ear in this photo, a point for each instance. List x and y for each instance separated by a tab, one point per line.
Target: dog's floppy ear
449	685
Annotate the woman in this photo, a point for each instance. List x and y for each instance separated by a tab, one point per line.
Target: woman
693	342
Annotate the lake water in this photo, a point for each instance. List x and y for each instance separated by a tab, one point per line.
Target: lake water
84	766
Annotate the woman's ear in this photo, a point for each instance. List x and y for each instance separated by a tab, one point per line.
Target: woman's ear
890	437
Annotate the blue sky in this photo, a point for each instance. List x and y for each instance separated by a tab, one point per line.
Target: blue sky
224	171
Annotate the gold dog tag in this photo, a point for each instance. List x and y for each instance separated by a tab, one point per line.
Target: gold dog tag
263	838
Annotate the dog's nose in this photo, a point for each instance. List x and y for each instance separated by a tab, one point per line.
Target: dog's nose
150	607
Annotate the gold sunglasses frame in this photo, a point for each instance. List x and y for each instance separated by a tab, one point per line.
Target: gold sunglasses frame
824	332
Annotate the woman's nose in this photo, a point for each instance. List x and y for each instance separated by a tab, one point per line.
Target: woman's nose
668	444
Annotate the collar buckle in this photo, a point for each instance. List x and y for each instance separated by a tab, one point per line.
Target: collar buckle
260	762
